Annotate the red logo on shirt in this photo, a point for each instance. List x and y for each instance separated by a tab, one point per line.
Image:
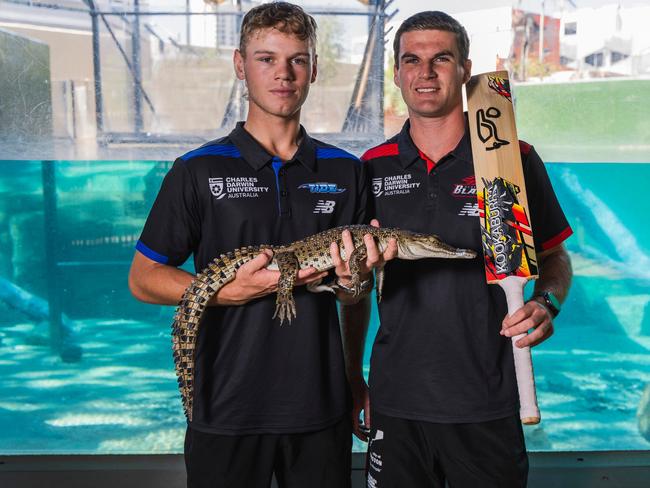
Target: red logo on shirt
466	188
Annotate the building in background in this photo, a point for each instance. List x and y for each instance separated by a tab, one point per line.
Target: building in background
606	41
578	43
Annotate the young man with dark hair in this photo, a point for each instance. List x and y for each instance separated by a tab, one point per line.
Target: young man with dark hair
443	392
267	399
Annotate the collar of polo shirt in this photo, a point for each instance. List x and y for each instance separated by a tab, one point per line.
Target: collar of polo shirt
409	153
255	155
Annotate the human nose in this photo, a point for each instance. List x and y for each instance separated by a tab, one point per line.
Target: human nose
285	71
428	71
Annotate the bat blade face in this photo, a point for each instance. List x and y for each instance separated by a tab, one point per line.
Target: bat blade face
506	231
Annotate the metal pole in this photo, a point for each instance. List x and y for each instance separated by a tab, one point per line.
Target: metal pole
97	69
137	68
51	242
187	22
541	35
379	66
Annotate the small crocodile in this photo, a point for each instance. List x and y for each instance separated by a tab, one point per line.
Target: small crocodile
312	251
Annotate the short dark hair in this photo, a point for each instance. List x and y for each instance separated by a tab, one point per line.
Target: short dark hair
433	20
286	17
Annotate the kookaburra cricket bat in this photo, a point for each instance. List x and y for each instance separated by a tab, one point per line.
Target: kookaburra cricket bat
506	230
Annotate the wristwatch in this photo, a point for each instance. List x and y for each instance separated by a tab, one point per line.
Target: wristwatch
550	301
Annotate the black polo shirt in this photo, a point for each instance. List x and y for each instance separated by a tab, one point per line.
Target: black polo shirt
438	355
253	375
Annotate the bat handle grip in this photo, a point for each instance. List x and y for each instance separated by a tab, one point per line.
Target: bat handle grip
513	286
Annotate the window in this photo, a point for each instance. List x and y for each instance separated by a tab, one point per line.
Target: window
570	28
595	59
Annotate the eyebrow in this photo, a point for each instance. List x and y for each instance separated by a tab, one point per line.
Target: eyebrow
263	51
446	52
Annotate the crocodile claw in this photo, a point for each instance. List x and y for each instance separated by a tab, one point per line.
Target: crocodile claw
285	309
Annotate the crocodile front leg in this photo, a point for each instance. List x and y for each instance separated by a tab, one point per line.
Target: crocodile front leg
285	306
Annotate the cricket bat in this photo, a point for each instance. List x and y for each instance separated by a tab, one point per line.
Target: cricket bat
506	232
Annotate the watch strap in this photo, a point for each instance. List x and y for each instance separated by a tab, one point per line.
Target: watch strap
549	301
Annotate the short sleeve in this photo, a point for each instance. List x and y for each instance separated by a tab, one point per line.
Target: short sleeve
550	225
172	230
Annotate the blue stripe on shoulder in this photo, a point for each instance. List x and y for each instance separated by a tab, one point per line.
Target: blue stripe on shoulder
333	153
150	253
213	150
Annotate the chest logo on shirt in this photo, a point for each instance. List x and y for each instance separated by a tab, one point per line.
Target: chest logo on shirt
324	207
469	210
393	185
236	187
216	187
321	187
466	188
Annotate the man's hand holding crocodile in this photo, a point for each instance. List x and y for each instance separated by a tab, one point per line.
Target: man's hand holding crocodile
354	269
253	280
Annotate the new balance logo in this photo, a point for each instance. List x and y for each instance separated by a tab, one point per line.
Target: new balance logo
324	207
469	210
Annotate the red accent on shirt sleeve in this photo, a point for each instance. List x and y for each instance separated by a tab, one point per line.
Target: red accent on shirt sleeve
558	239
524	147
379	151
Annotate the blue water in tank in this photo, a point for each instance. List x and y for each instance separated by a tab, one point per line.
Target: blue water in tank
102	381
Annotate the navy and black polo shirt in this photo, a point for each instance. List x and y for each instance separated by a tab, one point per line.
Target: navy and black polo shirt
438	355
253	375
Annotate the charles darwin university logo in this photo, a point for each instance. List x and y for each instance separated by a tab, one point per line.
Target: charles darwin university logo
377	186
216	187
505	231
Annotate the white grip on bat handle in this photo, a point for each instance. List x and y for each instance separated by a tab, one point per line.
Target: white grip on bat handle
513	286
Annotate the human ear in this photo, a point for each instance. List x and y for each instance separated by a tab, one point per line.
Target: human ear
467	68
238	62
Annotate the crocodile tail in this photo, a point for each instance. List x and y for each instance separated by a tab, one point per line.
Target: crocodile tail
185	327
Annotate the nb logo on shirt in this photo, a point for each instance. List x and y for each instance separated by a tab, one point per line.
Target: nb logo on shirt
324	207
469	210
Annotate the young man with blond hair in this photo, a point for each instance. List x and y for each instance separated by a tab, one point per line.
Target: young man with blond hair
267	399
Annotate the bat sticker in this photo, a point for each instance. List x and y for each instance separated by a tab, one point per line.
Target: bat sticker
501	86
505	231
487	129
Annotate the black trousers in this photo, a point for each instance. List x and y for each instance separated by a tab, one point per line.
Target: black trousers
413	454
320	459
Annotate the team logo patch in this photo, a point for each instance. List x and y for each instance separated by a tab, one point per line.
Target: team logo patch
394	185
216	187
321	187
324	207
377	185
466	188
